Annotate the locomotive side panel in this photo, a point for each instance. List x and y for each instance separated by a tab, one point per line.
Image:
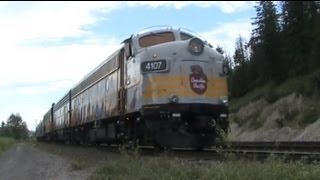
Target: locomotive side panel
133	85
94	102
47	123
39	131
111	95
97	102
60	117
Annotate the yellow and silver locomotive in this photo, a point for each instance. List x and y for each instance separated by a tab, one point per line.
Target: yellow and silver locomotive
165	87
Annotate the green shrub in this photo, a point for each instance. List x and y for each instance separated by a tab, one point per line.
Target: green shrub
5	143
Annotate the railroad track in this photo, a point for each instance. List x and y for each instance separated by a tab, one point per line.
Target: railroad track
302	146
293	150
309	151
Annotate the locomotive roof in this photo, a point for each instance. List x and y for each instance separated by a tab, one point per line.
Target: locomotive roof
159	29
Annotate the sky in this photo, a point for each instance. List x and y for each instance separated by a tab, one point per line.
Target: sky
48	47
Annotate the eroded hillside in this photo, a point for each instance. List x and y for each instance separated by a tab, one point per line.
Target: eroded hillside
291	118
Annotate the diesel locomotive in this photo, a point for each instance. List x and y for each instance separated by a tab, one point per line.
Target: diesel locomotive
163	87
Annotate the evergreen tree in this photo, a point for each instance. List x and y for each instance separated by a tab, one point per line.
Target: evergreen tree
16	127
230	63
239	80
240	55
314	55
298	24
265	44
278	50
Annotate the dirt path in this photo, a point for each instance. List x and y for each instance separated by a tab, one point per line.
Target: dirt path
25	162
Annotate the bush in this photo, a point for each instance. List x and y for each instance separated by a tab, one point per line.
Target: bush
5	143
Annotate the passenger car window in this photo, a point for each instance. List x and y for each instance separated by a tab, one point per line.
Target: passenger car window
156	38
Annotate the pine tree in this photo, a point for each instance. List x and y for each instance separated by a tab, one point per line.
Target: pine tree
314	54
265	44
16	127
296	34
240	55
239	79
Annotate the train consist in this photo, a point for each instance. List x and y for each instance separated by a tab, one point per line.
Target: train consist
164	87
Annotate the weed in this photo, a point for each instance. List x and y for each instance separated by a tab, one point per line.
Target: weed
5	143
231	168
77	165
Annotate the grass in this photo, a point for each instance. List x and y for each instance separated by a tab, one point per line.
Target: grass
5	143
165	168
78	165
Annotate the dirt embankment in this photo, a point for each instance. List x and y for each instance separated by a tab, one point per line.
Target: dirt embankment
291	118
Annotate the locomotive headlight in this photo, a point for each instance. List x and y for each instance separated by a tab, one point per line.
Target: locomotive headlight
224	100
196	46
173	98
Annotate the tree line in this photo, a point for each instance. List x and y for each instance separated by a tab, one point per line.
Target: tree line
15	127
284	44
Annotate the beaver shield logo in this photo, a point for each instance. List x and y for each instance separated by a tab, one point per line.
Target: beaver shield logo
198	80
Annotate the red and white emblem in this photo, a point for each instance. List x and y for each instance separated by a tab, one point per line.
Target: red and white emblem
198	80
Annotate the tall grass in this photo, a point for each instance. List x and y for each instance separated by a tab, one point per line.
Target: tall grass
5	143
166	168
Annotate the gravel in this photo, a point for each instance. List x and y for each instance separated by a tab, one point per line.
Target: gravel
25	161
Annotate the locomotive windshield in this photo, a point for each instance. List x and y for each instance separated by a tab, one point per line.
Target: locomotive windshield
156	38
185	36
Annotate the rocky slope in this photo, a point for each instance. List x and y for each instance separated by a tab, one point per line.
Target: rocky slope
291	118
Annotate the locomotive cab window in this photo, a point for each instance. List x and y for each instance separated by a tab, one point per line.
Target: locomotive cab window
156	38
185	36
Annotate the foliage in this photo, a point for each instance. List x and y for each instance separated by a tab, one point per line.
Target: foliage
283	45
240	55
5	143
15	127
